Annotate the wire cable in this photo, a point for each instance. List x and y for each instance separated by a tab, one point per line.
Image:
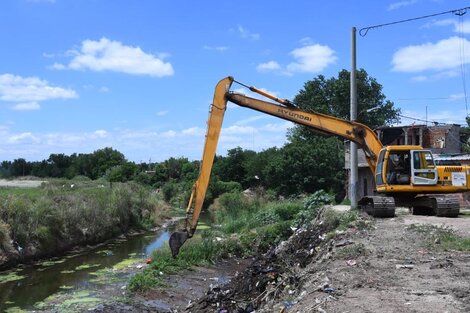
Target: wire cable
459	12
462	60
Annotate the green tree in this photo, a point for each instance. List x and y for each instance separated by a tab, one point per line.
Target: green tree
234	167
20	167
58	164
315	161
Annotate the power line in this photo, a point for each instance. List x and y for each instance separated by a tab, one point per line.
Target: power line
431	98
417	119
460	12
462	60
422	120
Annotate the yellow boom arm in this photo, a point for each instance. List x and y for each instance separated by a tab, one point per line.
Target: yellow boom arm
359	133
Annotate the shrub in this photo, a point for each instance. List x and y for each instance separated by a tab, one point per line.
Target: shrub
317	199
286	210
233	205
169	190
264	217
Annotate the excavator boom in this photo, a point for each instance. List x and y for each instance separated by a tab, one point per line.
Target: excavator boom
356	132
214	125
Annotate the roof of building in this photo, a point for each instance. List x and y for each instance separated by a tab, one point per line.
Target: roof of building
452	157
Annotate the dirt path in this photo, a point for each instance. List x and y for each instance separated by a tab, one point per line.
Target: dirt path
390	269
20	183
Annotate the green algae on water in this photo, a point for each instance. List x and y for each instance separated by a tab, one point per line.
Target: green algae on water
86	266
8	277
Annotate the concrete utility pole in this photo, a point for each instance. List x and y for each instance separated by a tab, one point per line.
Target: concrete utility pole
353	147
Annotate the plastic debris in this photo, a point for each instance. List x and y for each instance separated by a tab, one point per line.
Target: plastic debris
329	290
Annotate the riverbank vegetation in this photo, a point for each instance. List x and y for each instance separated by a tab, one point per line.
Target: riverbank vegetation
247	226
38	222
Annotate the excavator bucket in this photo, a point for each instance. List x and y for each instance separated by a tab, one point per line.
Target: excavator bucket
177	239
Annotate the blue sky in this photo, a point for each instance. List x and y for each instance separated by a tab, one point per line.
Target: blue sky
139	76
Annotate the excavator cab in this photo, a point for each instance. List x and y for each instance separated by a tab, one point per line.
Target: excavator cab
405	165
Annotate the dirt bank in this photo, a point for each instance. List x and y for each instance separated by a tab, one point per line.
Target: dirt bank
382	265
21	183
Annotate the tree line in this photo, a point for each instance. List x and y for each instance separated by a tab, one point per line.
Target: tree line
309	161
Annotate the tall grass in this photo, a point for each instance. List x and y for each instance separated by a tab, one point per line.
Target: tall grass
248	226
57	215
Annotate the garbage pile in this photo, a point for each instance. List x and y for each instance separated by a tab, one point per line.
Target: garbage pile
271	277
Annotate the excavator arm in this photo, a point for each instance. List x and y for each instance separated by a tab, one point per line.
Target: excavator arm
356	132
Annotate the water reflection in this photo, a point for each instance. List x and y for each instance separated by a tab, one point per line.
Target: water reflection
73	272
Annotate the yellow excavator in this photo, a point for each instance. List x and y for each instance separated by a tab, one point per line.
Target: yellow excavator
404	175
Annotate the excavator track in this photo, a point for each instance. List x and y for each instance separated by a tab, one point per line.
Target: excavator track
440	205
378	206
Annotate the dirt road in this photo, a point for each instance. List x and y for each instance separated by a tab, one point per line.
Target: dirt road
392	268
20	183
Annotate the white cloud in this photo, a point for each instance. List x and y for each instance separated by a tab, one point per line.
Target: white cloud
306	41
162	113
109	55
268	66
440	56
26	106
437	76
238	130
250	120
459	27
278	127
311	59
219	48
420	78
101	133
400	4
194	131
458	96
169	134
30	89
23	138
134	144
245	33
57	66
434	115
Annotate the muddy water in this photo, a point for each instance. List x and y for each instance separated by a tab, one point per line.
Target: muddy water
24	287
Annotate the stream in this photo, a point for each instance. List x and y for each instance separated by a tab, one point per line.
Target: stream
25	288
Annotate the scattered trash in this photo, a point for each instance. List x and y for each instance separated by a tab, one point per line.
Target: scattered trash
351	262
288	304
407	266
343	243
249	308
329	290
